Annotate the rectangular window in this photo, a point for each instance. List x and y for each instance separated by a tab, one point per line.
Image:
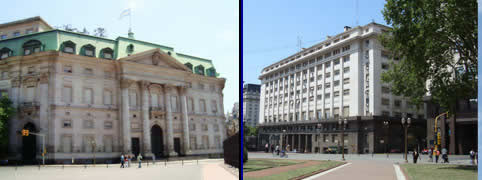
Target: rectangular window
88	98
31	70
346	81
397	103
336	112
385	101
89	52
336	93
346	92
327	75
68	49
385	90
17	33
154	100
29	31
108	125
214	106
108	74
346	111
133	99
67	123
88	124
68	69
174	105
336	83
202	103
385	66
3	36
107	55
327	95
337	72
30	94
67	94
327	85
107	97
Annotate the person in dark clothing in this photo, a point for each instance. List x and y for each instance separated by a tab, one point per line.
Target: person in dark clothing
415	156
437	154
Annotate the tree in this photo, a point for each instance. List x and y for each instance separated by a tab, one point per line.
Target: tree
437	42
84	31
100	32
68	27
6	111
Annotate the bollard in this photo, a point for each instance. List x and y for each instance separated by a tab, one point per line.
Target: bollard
15	166
62	166
85	166
182	162
165	163
107	164
197	162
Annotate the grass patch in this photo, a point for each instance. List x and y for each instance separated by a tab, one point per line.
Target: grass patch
297	172
439	171
260	164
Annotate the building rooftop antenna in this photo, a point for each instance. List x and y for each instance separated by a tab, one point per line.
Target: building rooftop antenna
300	45
356	8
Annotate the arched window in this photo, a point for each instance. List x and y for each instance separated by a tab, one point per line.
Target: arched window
211	72
107	53
199	70
68	47
130	49
87	50
32	46
189	66
5	53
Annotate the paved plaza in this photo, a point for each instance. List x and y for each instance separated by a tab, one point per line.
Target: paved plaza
363	166
190	170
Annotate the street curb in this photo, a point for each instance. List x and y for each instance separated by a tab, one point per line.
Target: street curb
399	172
316	172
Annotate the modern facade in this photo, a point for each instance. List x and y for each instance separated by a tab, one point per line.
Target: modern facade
304	95
89	94
251	94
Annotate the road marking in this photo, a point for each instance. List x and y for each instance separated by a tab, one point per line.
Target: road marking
326	172
399	173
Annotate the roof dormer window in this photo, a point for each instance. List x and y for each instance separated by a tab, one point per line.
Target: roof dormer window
88	50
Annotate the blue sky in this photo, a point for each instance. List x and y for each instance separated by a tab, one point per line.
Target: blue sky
207	29
271	28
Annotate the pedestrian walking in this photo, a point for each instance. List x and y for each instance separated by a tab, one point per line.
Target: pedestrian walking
472	156
122	161
287	147
437	154
430	155
272	148
126	160
445	155
139	159
277	150
266	148
415	156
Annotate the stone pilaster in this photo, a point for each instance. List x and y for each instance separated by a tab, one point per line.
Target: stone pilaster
146	126
44	113
170	132
126	121
185	120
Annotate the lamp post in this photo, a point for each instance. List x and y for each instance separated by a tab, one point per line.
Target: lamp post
283	139
93	148
319	130
386	123
406	124
342	123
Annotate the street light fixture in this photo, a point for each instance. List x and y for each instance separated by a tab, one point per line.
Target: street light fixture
93	148
386	123
406	124
343	124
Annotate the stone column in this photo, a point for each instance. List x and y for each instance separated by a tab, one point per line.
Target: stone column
299	143
14	144
452	135
292	142
185	120
306	143
170	132
43	113
146	126
126	121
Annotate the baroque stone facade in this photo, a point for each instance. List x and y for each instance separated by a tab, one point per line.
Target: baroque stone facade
148	100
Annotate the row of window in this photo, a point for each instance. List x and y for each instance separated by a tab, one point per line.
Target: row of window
16	33
310	114
200	70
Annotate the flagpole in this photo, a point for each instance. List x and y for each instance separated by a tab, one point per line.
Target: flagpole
130	20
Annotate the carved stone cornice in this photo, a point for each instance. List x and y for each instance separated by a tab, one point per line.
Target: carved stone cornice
144	84
168	88
126	83
44	77
182	89
156	58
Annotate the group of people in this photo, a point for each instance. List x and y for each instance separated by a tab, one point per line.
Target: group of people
434	152
277	149
126	160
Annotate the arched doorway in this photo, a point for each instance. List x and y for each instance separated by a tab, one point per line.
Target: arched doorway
157	144
29	146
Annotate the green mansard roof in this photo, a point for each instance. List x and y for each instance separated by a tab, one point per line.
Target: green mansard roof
54	39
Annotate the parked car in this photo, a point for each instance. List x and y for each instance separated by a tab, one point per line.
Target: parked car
425	151
395	151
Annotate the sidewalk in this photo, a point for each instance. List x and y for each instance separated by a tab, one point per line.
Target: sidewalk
363	169
216	172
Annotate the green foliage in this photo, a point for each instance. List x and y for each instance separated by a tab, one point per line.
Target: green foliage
437	42
6	111
250	131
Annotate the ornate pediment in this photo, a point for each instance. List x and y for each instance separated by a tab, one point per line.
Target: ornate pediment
156	57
